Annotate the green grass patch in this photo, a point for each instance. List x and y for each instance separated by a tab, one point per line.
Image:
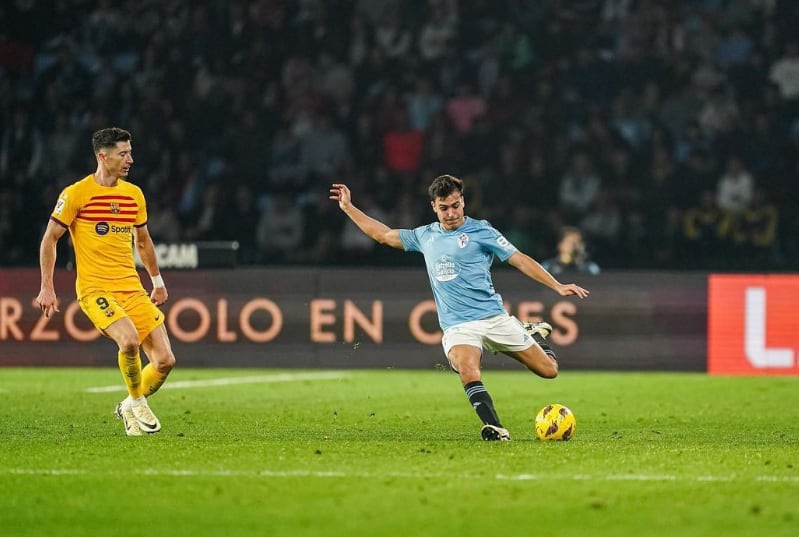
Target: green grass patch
398	453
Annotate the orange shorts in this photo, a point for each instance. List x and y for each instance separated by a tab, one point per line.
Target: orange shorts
103	308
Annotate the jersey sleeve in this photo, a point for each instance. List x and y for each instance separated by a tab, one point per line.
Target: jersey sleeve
496	243
412	239
67	207
141	212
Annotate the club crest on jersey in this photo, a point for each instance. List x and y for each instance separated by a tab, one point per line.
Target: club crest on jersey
463	240
114	207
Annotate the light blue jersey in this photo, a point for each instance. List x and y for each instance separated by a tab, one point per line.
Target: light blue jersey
459	267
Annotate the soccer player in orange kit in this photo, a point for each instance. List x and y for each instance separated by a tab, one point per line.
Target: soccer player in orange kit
106	216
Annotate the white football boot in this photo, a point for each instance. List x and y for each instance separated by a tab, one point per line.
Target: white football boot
145	418
124	413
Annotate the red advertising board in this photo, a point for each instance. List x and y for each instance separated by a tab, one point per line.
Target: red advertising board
753	328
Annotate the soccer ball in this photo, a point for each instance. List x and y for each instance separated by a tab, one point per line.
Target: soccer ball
555	422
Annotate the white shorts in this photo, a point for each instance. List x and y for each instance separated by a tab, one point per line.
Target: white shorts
497	334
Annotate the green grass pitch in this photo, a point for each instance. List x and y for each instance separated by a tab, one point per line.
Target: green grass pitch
393	452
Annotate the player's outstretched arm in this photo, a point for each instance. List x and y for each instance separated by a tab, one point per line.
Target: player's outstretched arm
532	269
373	228
47	299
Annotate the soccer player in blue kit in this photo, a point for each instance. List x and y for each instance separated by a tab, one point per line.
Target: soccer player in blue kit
458	252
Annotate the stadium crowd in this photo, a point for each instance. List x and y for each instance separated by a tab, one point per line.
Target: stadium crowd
665	130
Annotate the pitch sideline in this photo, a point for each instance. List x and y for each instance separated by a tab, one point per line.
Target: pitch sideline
411	475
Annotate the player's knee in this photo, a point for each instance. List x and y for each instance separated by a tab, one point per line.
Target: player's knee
163	361
549	371
469	374
167	363
128	346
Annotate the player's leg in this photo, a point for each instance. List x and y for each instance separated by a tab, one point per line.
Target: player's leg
159	353
124	333
540	331
537	361
524	344
149	323
538	358
111	318
464	352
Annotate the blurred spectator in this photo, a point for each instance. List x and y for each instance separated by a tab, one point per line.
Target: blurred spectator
388	109
754	232
206	223
572	254
602	224
567	106
361	40
523	231
735	188
580	185
735	48
375	11
665	196
785	71
516	47
402	146
334	79
162	220
705	228
20	145
393	37
505	105
440	147
286	168
325	149
690	140
423	103
629	119
367	145
719	115
464	107
280	229
437	32
60	147
244	226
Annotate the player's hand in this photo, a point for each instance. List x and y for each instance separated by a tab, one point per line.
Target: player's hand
571	289
159	296
47	301
340	193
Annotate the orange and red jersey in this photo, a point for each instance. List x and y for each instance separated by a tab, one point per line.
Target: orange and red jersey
101	221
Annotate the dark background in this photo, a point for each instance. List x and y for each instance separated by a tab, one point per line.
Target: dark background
622	117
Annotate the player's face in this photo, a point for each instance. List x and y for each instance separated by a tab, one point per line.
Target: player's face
119	159
450	210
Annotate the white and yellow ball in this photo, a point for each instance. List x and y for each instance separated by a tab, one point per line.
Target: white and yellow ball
555	422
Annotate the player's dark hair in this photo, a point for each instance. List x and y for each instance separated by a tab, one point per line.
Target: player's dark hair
444	185
105	138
